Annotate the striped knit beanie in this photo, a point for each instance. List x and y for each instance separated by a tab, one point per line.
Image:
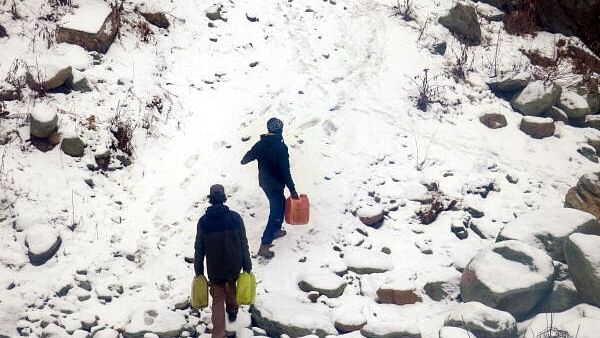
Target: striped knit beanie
275	126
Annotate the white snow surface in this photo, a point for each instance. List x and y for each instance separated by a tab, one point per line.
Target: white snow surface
455	332
515	275
382	328
44	113
324	280
89	17
341	77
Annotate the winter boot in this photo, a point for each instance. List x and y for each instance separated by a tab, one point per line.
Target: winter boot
279	233
265	252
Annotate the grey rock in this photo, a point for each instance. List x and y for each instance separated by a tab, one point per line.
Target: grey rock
330	285
537	127
588	152
483	321
439	48
157	19
493	121
509	86
462	21
574	105
536	98
562	297
72	145
592	121
557	114
43	123
583	259
42	244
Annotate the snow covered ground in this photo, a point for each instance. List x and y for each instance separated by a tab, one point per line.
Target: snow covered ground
341	74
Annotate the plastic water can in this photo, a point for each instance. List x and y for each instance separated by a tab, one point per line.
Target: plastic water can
297	211
245	291
199	292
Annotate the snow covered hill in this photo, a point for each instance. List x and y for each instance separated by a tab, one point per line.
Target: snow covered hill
113	249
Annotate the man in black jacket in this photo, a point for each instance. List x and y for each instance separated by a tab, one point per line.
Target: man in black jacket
221	237
273	175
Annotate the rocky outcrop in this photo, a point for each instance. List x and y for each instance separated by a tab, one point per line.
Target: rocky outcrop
482	321
585	195
537	127
489	278
536	98
93	26
548	229
462	22
583	258
493	121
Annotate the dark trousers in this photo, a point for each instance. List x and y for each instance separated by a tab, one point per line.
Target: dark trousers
223	296
276	213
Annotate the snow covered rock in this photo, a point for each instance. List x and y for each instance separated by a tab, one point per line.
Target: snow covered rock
42	243
79	83
548	229
588	152
583	257
158	19
279	314
592	121
215	13
455	332
106	333
371	215
350	321
72	145
574	105
9	92
557	114
462	21
363	261
328	284
443	287
562	297
537	127
483	321
54	331
510	276
536	98
581	321
396	329
399	293
508	86
493	121
585	195
47	75
92	26
163	322
44	121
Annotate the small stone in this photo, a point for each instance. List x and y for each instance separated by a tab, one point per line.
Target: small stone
493	121
538	127
72	145
386	250
588	152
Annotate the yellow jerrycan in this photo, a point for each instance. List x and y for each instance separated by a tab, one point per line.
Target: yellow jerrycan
199	292
245	292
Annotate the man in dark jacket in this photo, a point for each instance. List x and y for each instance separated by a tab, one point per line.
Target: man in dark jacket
273	175
221	237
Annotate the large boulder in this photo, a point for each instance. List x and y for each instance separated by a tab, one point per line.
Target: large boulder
48	75
581	321
508	86
92	26
510	276
536	98
483	321
325	283
396	329
42	244
44	121
562	297
548	229
585	195
157	320
462	21
279	314
583	258
537	127
493	120
574	105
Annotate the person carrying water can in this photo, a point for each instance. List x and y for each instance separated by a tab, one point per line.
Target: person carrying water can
274	174
221	238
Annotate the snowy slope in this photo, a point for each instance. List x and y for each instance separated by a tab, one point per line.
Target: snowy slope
340	76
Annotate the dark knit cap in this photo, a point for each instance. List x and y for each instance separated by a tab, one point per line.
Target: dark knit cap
275	125
217	194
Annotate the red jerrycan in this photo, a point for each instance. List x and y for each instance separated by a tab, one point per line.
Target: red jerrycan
297	211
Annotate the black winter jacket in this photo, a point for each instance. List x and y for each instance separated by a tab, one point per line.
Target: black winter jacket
273	162
221	237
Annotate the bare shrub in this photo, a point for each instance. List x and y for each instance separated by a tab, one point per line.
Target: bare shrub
64	3
16	76
122	129
521	19
143	30
44	31
404	9
426	91
90	123
549	69
551	331
461	63
14	12
438	204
